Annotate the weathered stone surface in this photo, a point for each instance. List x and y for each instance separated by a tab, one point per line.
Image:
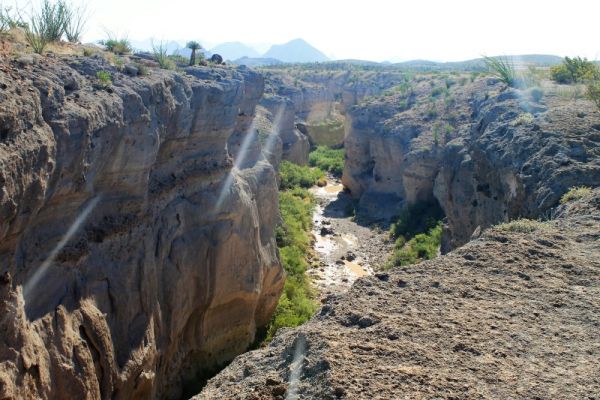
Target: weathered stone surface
489	154
314	105
295	145
136	224
509	315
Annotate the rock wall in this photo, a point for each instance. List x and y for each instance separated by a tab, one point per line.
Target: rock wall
313	105
137	225
485	153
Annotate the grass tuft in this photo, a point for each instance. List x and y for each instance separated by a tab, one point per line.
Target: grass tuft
523	225
161	55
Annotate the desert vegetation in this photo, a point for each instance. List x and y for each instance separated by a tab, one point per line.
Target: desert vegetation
194	47
298	176
117	45
49	23
297	302
328	159
575	193
417	234
579	71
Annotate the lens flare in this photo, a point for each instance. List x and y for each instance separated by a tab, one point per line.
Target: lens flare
296	368
268	147
237	164
41	271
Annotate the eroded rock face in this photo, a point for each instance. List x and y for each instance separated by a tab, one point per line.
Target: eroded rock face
309	107
295	145
509	315
485	153
136	228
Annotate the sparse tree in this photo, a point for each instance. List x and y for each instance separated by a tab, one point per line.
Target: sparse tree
194	46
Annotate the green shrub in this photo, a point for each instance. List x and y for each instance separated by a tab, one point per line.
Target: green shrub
416	218
178	59
328	159
575	193
560	74
423	246
502	68
116	45
573	70
4	19
431	112
103	76
592	91
297	302
293	175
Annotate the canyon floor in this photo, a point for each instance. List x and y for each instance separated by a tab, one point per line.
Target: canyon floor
512	314
345	249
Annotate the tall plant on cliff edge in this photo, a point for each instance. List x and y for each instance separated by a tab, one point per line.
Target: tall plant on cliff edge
503	68
194	46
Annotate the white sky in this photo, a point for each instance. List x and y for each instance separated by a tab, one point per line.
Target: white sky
373	29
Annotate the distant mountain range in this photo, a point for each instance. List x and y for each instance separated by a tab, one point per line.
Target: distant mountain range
295	51
519	61
300	51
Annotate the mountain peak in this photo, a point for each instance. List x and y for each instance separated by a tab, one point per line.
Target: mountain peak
296	50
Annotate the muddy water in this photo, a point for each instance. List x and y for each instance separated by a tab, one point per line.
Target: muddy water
346	250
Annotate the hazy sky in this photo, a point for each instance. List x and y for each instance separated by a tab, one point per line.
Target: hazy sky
373	29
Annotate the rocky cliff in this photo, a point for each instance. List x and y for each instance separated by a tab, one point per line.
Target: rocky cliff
136	227
308	106
513	314
484	152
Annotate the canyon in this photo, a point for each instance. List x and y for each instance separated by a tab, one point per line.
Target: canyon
138	248
137	228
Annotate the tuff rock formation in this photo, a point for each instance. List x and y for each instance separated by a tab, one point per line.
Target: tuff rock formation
309	107
484	152
136	227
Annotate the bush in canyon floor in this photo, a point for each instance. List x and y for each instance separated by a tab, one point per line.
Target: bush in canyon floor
328	159
417	233
423	246
416	218
297	302
294	176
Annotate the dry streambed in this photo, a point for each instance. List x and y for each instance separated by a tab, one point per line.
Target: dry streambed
346	250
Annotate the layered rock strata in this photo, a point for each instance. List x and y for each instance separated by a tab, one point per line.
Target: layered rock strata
137	224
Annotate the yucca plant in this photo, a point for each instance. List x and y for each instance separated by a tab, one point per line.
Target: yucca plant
194	46
503	69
